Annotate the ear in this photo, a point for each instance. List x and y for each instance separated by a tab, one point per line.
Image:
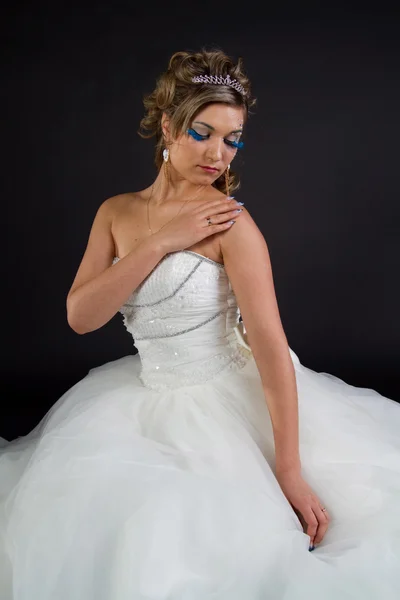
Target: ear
165	127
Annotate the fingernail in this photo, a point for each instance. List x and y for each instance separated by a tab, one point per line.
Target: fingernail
239	209
241	203
230	197
311	548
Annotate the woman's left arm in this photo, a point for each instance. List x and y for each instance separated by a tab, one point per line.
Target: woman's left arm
248	266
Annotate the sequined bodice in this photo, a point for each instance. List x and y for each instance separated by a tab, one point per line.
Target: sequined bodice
184	321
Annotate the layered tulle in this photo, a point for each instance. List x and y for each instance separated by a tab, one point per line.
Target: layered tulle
126	492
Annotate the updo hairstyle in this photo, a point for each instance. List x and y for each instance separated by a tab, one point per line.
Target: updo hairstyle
182	99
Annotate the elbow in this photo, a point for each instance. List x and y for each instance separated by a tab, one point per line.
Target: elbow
75	326
77	330
73	321
82	319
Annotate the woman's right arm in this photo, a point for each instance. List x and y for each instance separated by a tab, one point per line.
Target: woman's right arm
100	288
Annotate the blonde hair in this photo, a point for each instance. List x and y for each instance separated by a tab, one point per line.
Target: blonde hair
176	95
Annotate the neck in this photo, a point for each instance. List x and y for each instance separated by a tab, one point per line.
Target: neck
176	189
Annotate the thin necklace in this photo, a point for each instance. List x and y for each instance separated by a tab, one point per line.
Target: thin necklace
174	217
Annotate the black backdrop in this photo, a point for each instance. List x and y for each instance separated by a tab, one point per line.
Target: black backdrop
319	175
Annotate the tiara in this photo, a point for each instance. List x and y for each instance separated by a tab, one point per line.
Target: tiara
219	80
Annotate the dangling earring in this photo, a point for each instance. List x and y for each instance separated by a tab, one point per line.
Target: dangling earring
227	179
166	165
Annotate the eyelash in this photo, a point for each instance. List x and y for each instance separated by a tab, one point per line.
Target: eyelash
200	138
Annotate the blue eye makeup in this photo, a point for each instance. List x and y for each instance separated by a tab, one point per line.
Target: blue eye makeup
234	144
196	135
200	138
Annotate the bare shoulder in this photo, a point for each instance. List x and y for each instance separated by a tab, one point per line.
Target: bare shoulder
120	203
100	248
243	245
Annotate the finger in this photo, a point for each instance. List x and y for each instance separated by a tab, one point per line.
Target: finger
216	207
211	229
216	219
312	524
323	523
219	208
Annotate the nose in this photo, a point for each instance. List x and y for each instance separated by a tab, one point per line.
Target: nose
215	149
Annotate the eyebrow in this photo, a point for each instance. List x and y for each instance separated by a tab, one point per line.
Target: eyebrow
211	127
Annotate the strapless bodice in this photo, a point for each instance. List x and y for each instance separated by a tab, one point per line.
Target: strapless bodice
184	320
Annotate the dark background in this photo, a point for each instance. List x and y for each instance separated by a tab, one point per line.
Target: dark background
319	175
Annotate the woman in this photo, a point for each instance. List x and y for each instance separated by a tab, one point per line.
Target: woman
211	462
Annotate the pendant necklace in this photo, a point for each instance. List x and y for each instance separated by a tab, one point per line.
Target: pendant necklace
174	217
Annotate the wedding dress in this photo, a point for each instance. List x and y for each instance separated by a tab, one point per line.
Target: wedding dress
153	477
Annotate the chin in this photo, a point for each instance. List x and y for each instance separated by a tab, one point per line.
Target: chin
208	177
201	180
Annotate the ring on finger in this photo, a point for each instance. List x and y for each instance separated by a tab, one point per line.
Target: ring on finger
209	221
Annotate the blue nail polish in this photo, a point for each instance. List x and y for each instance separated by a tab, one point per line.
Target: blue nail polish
311	548
241	203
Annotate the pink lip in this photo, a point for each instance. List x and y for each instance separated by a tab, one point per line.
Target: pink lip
209	169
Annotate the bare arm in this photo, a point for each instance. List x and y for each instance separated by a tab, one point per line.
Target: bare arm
248	266
99	289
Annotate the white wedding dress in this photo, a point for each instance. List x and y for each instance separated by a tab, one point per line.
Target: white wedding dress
153	477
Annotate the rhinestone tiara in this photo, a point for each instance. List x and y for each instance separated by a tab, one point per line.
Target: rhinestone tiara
219	80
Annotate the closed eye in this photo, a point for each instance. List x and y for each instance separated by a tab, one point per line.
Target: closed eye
199	138
234	143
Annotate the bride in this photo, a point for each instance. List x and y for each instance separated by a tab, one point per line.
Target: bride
211	463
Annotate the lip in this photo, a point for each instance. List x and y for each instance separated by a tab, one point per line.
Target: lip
209	169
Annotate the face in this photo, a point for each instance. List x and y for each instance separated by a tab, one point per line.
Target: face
202	154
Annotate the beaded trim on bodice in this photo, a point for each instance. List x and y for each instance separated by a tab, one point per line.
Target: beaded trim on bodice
183	318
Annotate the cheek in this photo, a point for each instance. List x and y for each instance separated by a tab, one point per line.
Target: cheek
195	146
186	153
192	149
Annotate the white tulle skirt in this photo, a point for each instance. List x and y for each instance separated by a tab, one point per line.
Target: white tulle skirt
125	493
